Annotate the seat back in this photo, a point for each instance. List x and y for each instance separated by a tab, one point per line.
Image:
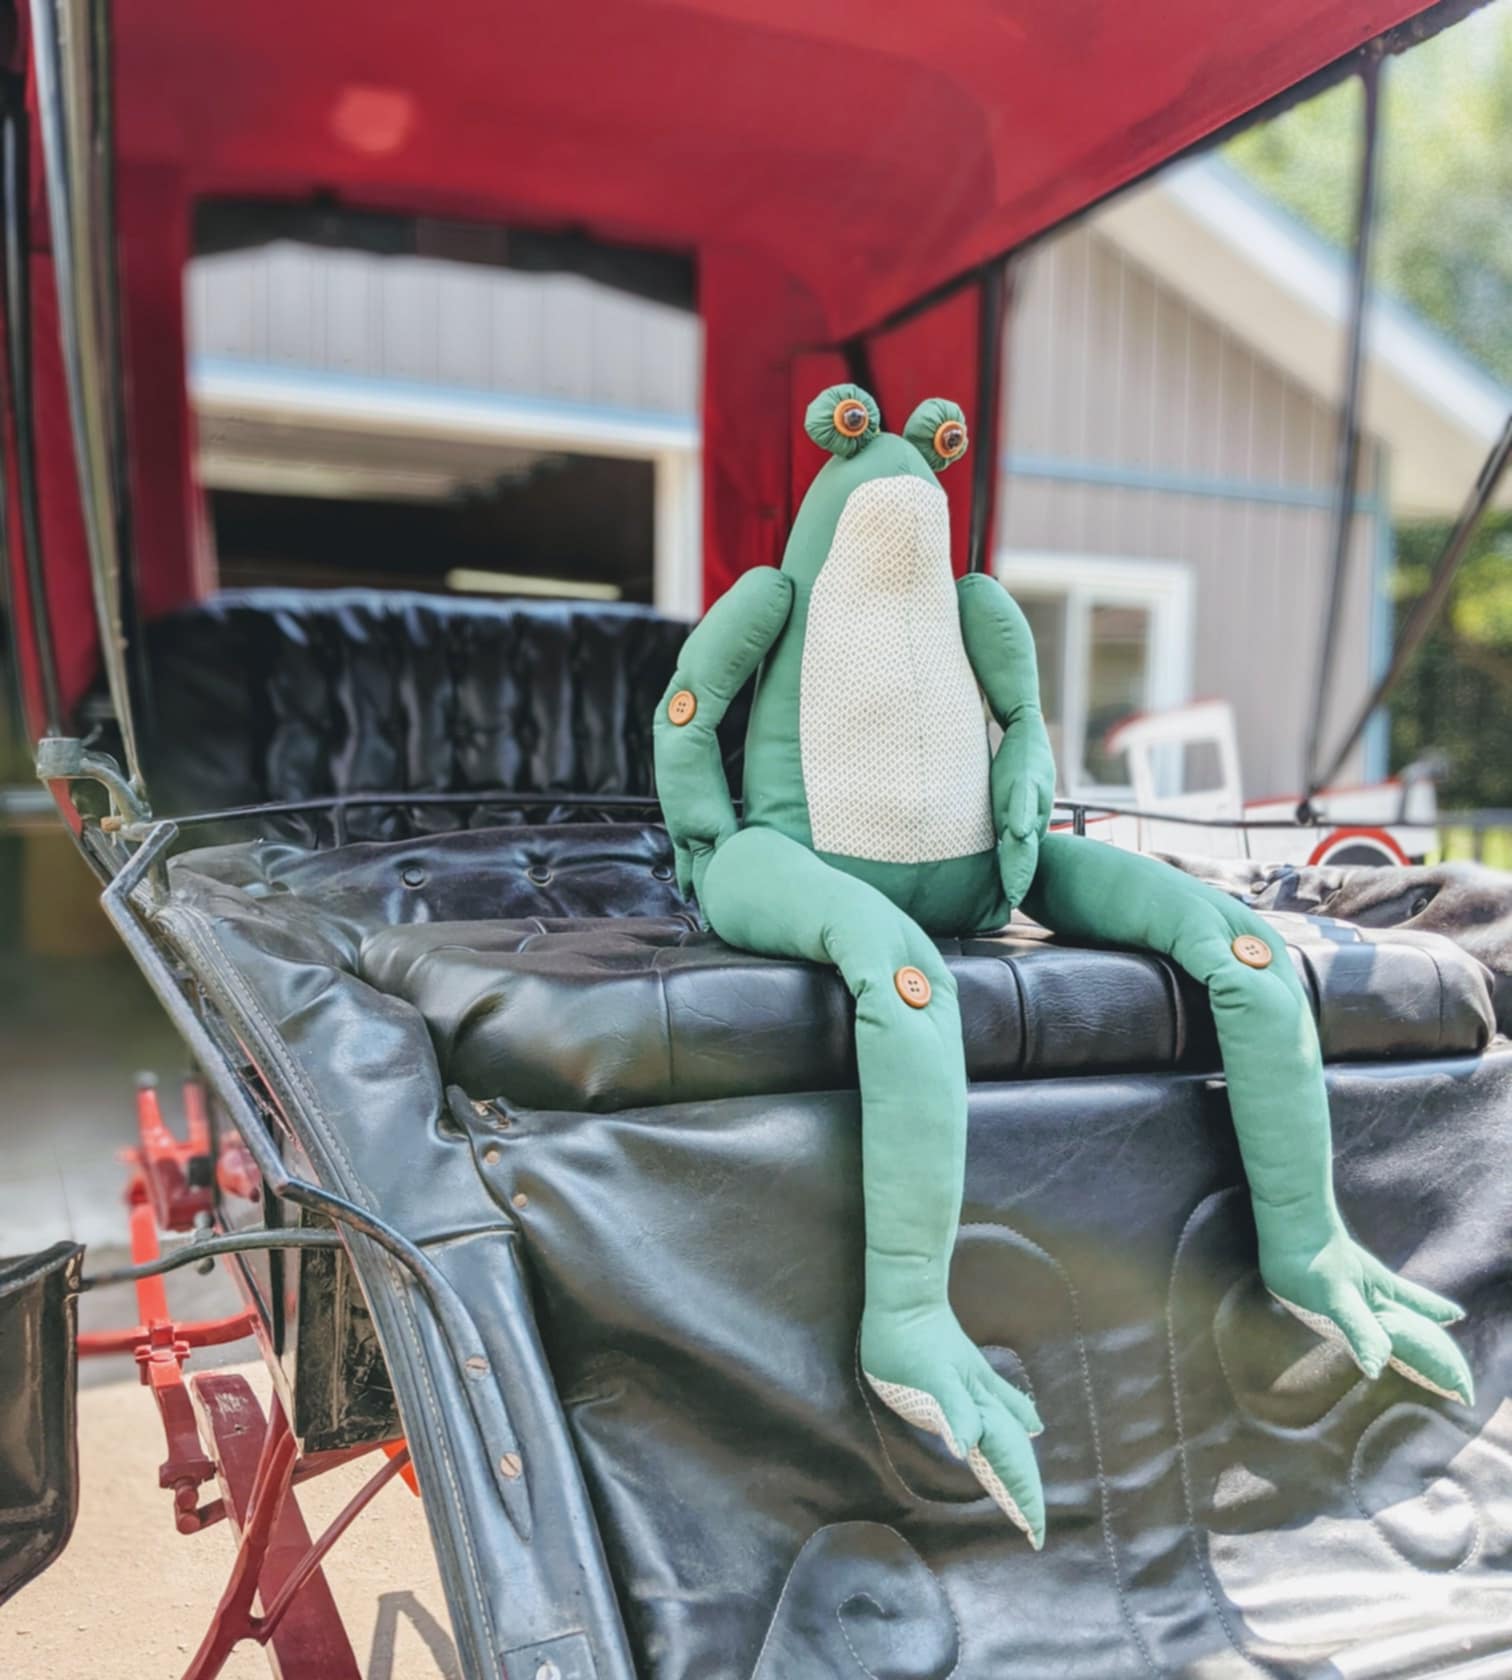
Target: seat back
284	695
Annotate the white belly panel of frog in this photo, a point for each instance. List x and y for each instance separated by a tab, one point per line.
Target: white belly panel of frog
890	721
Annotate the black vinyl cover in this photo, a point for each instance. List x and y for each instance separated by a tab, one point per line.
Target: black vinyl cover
670	1290
39	1463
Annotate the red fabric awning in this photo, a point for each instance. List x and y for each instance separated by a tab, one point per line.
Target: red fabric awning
871	150
826	163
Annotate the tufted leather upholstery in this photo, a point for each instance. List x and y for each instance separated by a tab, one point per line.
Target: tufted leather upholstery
664	1132
634	1011
286	694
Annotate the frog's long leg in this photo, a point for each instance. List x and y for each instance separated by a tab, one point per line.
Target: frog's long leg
717	659
767	893
1277	1096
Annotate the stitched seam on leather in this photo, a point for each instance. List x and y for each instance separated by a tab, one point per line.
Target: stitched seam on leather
1125	1606
1374	1521
232	983
793	1570
840	1623
1317	1423
1208	1584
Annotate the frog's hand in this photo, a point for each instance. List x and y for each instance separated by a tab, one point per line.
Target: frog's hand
1000	646
716	661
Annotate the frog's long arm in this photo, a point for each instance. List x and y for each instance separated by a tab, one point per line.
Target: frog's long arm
1000	646
767	893
1310	1263
716	660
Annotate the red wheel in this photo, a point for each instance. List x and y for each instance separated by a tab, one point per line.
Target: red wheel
1346	846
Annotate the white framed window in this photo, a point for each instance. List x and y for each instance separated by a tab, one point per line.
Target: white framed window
1114	638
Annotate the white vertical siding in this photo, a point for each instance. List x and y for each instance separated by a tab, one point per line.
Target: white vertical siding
447	324
1112	374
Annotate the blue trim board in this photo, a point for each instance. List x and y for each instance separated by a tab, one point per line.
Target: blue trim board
359	386
1112	475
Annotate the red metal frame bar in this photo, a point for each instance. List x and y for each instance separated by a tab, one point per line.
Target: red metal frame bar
256	1459
309	1564
256	1462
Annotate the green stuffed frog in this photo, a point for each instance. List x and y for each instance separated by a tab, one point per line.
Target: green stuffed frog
876	815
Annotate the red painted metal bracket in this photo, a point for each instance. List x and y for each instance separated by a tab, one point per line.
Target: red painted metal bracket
276	1558
256	1459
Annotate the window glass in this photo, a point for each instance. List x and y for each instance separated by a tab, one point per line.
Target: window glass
1118	662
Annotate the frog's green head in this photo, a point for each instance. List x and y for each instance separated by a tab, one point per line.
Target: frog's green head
878	500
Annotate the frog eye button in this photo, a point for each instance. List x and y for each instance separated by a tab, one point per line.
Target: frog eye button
843	419
950	440
851	418
937	429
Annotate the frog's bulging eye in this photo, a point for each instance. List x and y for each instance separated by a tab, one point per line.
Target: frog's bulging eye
950	440
851	418
843	419
937	429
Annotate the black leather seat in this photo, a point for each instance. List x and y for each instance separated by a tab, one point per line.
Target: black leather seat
288	694
635	1011
663	1134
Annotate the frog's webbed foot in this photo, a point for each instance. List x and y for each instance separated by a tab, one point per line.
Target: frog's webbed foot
934	1377
1347	1296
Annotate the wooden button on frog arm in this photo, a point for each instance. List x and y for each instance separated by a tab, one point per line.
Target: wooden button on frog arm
875	817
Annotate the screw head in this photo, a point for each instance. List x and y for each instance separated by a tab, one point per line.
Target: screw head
475	1365
510	1466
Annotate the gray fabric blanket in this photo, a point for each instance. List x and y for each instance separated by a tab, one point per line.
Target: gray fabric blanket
1466	902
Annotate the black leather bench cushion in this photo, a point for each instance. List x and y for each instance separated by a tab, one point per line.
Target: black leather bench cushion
627	1013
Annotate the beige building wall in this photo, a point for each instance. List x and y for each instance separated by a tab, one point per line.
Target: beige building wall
1177	481
1137	430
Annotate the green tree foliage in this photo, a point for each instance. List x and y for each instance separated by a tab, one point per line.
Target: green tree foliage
1443	247
1444	220
1456	696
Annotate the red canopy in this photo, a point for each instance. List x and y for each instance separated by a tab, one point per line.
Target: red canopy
825	162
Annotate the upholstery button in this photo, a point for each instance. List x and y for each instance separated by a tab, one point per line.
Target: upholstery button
492	1155
662	871
414	876
681	707
540	874
913	988
1252	952
520	1200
